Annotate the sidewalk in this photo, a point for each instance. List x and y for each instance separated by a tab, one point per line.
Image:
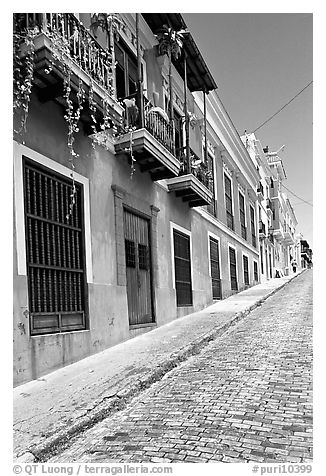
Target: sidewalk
52	409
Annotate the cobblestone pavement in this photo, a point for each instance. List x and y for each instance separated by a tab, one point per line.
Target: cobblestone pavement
247	397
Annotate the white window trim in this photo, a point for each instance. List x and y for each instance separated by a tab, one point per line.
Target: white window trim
247	256
237	263
20	150
175	226
218	239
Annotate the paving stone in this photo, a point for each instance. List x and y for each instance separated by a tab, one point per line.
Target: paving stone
245	397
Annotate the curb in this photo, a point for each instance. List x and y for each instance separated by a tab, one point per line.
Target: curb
119	401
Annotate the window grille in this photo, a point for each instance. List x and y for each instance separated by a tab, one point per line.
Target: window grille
228	202
182	265
143	256
54	251
215	269
253	227
242	216
233	269
130	253
245	270
255	271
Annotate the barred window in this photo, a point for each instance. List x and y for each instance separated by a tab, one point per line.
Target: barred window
182	265
130	253
54	251
233	269
245	270
228	202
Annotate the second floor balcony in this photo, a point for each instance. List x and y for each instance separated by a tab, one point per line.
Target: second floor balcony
66	60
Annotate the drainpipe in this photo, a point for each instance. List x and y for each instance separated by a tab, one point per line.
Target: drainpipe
185	85
140	102
171	98
205	127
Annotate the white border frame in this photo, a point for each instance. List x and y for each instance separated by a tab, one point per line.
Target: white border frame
19	150
218	239
174	226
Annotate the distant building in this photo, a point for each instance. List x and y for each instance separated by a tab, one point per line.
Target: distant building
306	254
277	220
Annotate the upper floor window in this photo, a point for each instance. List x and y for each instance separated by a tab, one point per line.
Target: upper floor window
253	226
126	71
228	202
242	216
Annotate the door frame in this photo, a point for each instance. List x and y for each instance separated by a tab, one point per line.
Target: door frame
148	218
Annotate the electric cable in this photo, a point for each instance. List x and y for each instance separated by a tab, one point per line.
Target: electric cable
281	109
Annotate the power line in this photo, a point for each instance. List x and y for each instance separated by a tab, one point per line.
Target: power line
271	117
302	199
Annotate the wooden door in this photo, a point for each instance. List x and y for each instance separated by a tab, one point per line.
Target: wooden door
138	268
215	269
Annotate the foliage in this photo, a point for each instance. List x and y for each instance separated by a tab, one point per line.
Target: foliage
170	42
23	73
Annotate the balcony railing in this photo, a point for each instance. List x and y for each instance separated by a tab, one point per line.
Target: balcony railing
198	168
160	129
72	38
262	228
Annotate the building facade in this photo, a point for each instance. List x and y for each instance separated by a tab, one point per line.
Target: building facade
135	198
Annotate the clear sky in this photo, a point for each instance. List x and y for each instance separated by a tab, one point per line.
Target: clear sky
259	62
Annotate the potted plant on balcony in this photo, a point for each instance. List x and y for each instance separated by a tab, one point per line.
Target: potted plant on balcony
170	43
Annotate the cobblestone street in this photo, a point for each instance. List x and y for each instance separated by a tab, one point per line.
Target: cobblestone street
247	397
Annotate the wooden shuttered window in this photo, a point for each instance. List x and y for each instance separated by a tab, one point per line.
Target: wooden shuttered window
233	269
242	216
215	269
245	270
228	202
182	266
255	271
54	251
253	227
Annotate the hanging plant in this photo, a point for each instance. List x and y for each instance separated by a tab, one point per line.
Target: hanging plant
23	73
110	24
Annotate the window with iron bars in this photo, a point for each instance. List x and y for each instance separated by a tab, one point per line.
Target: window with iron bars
54	251
233	269
228	202
182	266
253	227
242	216
245	270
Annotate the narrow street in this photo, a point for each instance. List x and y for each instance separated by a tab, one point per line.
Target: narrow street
246	397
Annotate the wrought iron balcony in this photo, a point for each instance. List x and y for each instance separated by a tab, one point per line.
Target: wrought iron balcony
260	189
152	146
195	186
63	47
262	230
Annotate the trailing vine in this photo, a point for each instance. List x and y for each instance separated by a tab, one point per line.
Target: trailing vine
23	73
